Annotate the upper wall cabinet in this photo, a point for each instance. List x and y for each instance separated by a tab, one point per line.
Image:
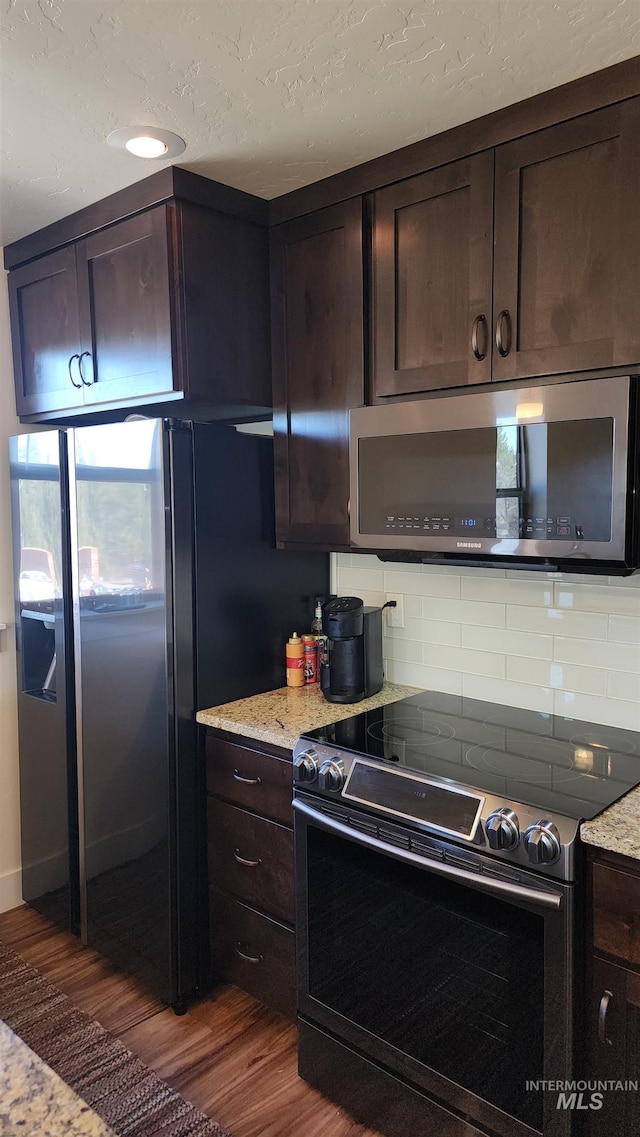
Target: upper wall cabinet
432	257
563	293
567	239
318	370
92	323
169	306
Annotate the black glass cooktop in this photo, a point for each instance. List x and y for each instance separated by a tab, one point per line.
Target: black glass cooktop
562	765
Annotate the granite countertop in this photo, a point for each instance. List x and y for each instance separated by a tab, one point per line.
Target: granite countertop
617	828
35	1102
281	716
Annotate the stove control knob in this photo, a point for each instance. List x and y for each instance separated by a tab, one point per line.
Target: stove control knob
542	842
503	831
331	775
305	767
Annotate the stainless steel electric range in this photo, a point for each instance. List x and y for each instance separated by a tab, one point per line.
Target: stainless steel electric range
438	880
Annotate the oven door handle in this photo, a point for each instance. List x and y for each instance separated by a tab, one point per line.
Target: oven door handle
544	898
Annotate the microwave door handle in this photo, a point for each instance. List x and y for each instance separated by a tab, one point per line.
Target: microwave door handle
501	888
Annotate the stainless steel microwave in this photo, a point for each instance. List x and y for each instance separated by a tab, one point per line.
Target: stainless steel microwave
534	477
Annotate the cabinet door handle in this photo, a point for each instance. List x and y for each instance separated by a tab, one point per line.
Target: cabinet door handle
503	333
247	958
479	352
243	860
602	1018
78	386
237	777
87	382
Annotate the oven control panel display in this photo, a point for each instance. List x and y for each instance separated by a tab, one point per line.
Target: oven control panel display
416	799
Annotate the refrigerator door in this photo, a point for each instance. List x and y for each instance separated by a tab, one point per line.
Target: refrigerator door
45	697
120	564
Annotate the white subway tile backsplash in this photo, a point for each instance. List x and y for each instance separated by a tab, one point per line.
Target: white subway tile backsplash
556	622
613	600
409	651
461	659
611	656
587	680
365	561
512	694
421	584
427	678
535	592
552	642
351	580
508	642
611	712
427	631
622	685
412	606
464	612
626	631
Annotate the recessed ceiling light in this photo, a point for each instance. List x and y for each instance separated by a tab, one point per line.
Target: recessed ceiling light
147	142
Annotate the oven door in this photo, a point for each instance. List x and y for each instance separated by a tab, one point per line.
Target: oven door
450	972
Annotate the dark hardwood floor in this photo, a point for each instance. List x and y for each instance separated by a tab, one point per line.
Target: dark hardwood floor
230	1055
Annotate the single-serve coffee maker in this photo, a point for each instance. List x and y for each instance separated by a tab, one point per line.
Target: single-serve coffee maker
353	670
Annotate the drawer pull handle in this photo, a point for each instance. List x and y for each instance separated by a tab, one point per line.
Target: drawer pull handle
602	1018
247	958
237	777
243	860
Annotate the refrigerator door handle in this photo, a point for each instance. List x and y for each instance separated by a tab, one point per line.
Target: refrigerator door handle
77	677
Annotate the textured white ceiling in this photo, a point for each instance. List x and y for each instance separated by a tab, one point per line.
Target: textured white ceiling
268	94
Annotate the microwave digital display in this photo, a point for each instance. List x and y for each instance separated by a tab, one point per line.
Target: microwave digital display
540	481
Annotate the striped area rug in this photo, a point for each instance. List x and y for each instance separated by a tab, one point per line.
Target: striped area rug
124	1092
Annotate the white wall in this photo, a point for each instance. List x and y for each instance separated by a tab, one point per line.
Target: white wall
551	642
10	894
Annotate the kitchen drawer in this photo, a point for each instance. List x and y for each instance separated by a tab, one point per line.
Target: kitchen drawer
616	913
251	857
250	778
253	952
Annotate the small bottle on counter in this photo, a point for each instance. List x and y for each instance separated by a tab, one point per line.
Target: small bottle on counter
295	661
310	648
321	639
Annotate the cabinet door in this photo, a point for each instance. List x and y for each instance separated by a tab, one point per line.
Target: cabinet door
317	305
432	254
123	275
567	230
613	1049
45	329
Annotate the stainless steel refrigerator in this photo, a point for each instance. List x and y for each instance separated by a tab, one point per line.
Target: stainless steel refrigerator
147	586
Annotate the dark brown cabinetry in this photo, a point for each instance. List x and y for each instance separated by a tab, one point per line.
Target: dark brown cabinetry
318	370
565	234
250	864
92	322
432	256
45	325
613	996
167	306
567	237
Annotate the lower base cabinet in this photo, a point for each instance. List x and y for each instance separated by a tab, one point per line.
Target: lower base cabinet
612	1027
250	868
254	952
